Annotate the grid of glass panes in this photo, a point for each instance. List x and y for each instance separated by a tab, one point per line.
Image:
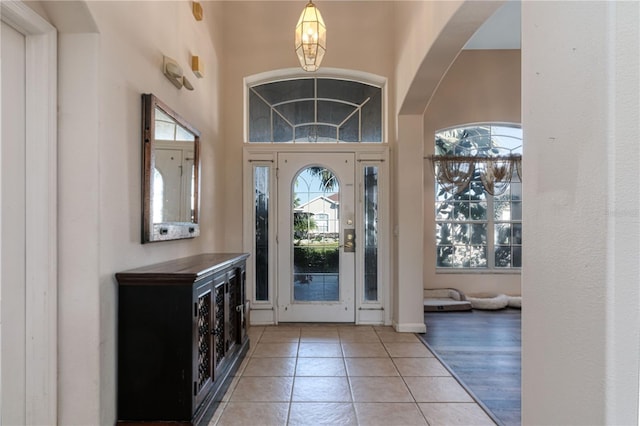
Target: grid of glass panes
474	229
507	232
461	227
312	110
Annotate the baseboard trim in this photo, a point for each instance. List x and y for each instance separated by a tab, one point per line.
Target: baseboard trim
410	327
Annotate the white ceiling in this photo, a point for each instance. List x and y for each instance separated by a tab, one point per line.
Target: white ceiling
500	31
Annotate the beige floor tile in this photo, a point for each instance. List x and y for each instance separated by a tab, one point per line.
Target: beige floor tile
407	350
385	414
455	414
270	367
280	336
379	389
437	389
322	335
364	350
420	367
320	367
269	350
369	367
322	413
392	336
321	389
359	336
318	350
263	389
254	413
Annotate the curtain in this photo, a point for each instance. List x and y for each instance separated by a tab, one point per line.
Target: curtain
455	172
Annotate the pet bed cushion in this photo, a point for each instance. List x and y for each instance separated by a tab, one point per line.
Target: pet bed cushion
445	299
488	301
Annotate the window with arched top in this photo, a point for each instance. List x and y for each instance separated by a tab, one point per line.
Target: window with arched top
478	197
315	110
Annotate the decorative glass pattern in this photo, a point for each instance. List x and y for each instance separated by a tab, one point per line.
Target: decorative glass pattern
204	339
261	256
371	233
311	110
219	324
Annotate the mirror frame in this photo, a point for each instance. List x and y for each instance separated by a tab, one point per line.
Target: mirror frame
164	231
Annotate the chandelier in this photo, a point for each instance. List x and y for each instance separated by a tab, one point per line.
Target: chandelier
310	38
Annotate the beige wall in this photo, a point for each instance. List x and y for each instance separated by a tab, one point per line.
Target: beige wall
581	103
109	54
480	86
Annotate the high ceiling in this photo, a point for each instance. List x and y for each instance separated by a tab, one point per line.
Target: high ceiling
500	31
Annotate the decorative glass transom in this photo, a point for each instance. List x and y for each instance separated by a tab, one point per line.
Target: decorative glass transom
310	110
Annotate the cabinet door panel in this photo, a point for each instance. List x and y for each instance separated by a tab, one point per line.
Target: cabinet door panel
203	340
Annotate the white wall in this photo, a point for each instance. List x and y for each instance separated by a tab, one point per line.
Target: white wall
111	53
580	97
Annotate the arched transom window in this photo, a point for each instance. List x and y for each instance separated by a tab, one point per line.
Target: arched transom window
315	110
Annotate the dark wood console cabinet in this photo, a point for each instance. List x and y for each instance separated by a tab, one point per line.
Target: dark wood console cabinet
182	334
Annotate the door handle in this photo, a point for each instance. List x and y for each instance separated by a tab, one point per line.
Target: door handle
349	240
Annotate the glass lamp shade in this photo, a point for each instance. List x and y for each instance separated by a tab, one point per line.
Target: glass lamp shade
310	38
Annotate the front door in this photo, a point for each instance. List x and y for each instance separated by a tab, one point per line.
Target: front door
316	237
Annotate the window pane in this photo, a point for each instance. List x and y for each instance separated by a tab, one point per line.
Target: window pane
517	257
517	233
316	251
371	233
261	201
502	234
503	256
516	210
479	234
443	233
282	131
260	123
371	117
333	112
444	256
502	210
477	211
349	132
281	91
297	112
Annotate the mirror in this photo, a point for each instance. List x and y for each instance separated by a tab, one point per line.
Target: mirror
171	171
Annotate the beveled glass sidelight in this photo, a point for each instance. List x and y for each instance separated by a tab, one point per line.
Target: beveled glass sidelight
310	38
171	172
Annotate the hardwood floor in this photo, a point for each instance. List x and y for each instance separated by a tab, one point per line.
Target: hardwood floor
483	349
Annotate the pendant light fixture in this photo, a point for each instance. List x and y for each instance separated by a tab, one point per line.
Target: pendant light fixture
310	38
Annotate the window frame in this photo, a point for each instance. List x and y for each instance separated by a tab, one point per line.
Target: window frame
323	73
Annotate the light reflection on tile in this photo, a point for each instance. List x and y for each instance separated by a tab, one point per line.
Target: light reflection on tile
320	367
247	413
384	414
322	413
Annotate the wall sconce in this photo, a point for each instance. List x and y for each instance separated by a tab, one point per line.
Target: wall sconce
174	73
197	11
197	66
310	38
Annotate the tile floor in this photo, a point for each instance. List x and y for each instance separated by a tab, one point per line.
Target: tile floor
343	375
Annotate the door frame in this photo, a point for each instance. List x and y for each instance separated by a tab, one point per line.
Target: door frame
316	311
264	312
41	271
